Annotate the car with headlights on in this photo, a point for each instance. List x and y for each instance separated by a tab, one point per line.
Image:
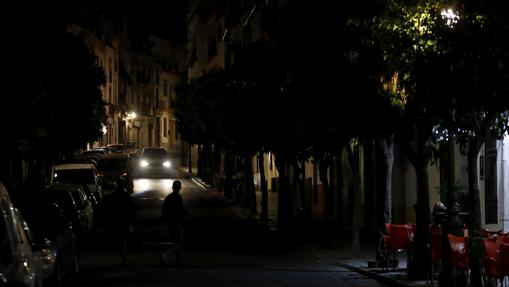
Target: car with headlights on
154	162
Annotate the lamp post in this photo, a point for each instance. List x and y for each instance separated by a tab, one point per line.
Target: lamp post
451	17
452	224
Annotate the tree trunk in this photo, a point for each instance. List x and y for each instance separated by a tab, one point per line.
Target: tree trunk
264	215
340	186
356	218
206	163
190	159
419	260
418	267
250	193
387	152
305	208
474	224
228	174
328	204
285	214
201	160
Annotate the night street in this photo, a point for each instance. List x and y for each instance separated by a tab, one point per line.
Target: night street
268	142
223	247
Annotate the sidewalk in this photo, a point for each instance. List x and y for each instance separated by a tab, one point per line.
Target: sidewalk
341	254
393	277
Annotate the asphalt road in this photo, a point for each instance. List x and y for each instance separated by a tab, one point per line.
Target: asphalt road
223	247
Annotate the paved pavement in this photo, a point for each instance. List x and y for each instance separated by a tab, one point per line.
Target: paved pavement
340	253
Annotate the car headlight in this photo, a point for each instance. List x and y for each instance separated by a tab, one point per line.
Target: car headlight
167	163
143	163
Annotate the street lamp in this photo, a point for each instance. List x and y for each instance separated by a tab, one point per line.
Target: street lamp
128	118
131	115
450	16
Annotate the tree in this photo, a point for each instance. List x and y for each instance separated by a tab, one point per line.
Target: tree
478	51
52	80
418	69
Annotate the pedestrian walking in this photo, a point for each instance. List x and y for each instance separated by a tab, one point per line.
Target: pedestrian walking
173	213
123	214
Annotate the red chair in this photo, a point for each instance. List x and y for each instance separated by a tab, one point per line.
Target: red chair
459	254
399	238
504	258
503	238
492	260
489	233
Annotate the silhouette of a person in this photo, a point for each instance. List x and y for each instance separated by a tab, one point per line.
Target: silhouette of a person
173	213
124	215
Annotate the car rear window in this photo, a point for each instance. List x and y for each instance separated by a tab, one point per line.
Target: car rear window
79	176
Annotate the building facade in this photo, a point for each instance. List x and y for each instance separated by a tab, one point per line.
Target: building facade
141	72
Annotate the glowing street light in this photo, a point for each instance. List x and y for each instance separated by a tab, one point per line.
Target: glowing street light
450	16
128	118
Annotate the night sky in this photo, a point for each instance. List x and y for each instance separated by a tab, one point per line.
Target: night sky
164	18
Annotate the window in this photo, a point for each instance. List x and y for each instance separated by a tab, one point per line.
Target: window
165	125
81	176
165	88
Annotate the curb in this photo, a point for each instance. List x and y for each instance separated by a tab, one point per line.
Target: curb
381	278
375	276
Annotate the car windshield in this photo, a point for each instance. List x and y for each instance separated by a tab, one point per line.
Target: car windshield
79	176
154	153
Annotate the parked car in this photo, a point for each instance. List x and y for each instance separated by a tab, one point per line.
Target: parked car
94	154
131	149
113	166
154	162
65	199
79	173
51	228
20	261
115	148
82	201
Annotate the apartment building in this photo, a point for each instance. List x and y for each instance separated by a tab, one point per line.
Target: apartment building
141	73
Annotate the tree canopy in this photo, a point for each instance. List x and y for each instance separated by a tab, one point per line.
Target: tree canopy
50	83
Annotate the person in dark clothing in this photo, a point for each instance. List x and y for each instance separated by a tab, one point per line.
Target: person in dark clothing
173	213
123	215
